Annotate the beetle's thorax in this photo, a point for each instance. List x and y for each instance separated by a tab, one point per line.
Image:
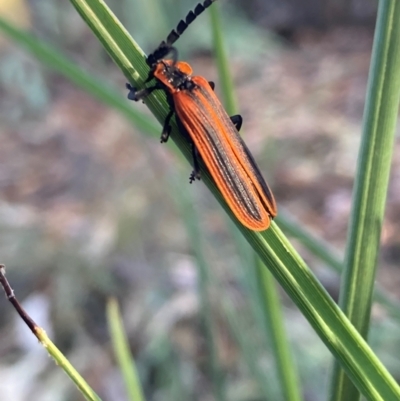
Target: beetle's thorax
175	76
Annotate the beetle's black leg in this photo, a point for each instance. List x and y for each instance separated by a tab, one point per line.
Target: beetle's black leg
137	95
212	84
195	175
167	127
237	121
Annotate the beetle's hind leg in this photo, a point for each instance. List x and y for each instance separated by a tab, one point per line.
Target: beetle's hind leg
195	174
237	121
167	127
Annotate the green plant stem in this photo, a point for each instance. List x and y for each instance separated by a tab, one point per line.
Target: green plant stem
66	366
372	179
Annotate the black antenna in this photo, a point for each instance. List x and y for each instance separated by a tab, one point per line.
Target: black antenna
165	46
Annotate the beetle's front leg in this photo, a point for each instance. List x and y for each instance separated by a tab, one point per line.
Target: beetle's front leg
137	95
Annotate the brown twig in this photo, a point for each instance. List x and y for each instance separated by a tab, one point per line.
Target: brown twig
14	301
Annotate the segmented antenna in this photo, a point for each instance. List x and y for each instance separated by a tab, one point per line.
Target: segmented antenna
166	46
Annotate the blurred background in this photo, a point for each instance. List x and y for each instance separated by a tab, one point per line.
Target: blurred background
91	207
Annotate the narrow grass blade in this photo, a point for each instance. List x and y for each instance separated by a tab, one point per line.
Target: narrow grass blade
55	60
264	295
372	179
224	74
275	327
249	352
330	256
191	220
122	352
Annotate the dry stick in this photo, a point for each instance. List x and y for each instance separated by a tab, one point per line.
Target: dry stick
14	301
41	335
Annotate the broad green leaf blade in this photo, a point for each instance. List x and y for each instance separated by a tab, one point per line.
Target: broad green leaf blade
353	353
372	180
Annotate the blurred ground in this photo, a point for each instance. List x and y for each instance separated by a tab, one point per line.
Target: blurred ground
87	210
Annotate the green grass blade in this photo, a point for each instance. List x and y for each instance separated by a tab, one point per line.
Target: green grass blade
124	51
275	326
95	86
313	243
122	352
276	252
249	352
372	179
330	256
330	323
265	295
191	220
224	74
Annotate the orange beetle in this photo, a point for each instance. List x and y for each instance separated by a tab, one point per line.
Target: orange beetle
214	135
